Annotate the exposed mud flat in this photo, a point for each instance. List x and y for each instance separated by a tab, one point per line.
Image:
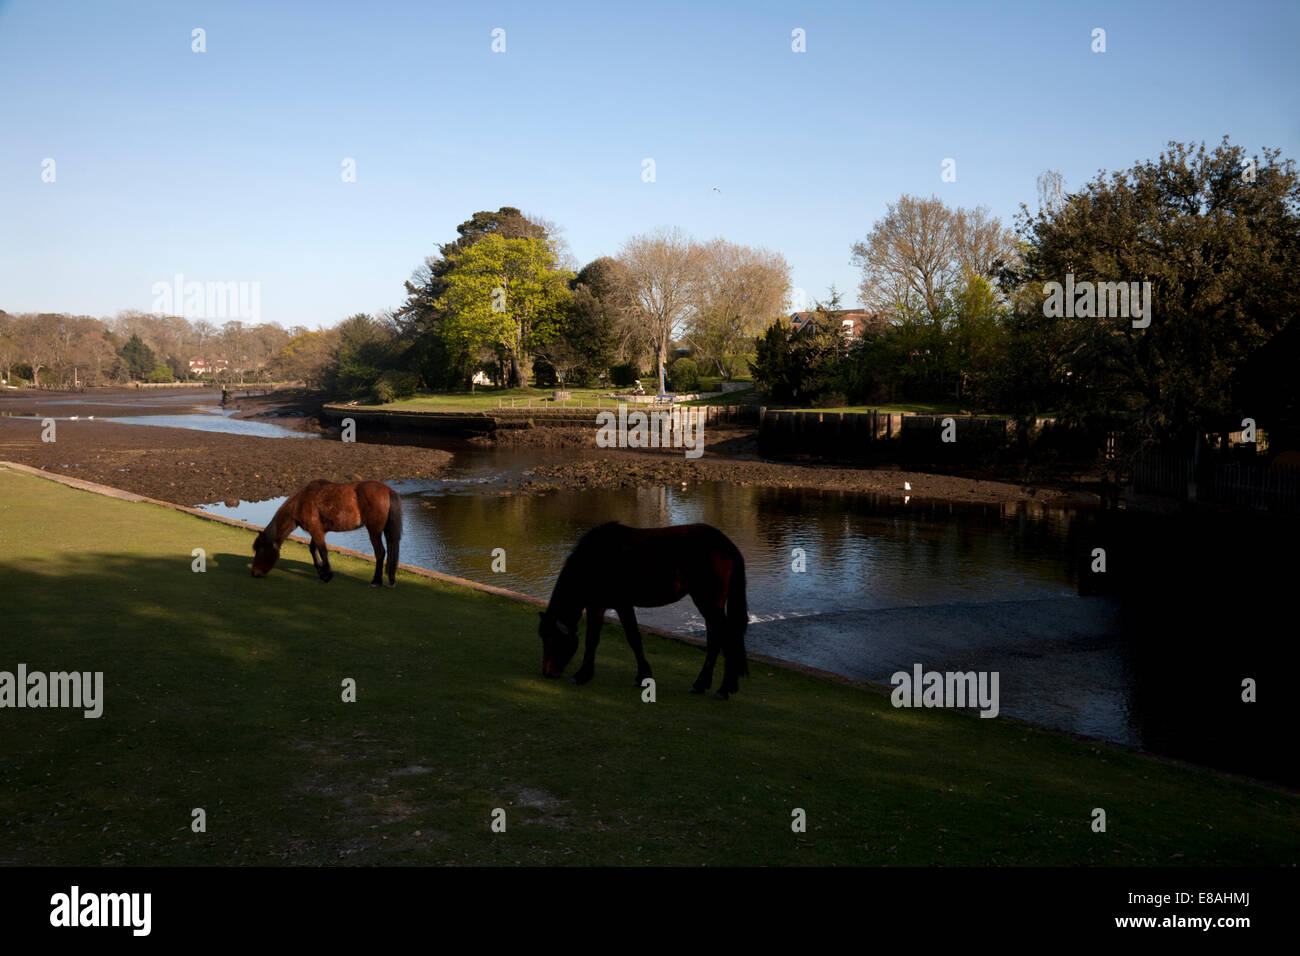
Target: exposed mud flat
730	455
192	467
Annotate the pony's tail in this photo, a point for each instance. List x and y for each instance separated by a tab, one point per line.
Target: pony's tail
737	617
393	531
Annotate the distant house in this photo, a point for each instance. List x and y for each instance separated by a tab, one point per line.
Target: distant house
201	366
854	323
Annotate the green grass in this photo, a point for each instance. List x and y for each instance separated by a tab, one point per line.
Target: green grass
223	692
487	398
729	398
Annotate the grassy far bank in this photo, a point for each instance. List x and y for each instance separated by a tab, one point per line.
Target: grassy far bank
488	398
223	692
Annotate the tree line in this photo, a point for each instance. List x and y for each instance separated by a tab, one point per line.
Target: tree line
962	308
1207	240
68	350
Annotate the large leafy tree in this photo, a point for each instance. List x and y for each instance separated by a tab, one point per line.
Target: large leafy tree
1217	234
505	293
439	353
594	322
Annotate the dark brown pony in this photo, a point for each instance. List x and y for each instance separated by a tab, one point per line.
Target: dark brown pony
621	568
321	506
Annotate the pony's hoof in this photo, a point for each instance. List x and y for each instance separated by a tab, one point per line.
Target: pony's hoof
579	679
392	584
720	695
374	584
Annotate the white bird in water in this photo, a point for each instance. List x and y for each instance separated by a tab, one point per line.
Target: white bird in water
907	486
74	418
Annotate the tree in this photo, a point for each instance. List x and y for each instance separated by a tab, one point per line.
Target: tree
798	367
11	352
138	358
363	350
920	252
1217	236
663	273
507	293
595	326
443	359
306	357
742	290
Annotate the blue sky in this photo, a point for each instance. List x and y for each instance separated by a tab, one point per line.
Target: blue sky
226	165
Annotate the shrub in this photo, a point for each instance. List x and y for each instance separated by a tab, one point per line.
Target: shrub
624	374
393	385
161	373
683	376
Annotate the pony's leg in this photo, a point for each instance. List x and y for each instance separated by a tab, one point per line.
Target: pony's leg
323	569
595	618
315	561
627	615
392	560
730	680
715	624
377	542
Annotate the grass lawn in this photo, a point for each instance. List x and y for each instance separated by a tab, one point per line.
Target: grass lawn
487	398
223	692
728	398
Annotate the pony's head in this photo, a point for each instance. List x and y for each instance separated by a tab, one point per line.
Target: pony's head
559	642
265	553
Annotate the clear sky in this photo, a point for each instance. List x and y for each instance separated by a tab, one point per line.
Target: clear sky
225	166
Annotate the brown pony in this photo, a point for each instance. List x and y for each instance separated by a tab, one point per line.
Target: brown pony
625	568
320	506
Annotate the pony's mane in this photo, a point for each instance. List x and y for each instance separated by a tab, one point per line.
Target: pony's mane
574	563
271	533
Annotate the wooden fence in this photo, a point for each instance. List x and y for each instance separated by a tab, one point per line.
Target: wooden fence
1235	484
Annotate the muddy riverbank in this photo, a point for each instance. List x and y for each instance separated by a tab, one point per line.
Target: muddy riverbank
195	467
192	467
731	455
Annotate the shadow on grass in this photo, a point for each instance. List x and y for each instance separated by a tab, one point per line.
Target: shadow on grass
228	693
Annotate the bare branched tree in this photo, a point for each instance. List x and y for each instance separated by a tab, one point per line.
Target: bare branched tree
742	290
663	274
921	251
